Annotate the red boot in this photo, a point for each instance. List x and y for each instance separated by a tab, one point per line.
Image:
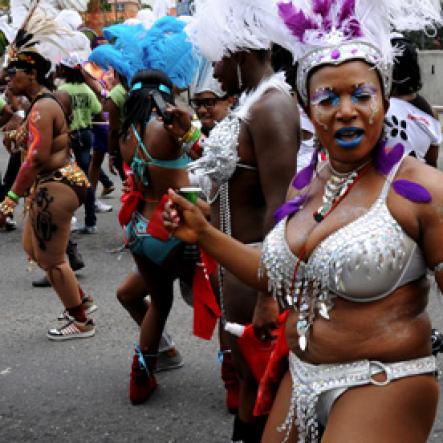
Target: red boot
230	378
142	381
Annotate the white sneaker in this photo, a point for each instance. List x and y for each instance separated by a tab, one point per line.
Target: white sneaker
102	207
74	225
72	329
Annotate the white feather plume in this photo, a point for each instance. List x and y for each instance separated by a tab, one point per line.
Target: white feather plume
19	8
221	27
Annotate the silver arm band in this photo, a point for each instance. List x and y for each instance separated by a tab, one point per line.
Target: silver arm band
438	268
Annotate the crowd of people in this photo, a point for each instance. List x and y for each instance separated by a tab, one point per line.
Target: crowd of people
277	159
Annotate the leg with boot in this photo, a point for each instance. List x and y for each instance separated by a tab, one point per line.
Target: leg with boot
132	294
45	240
159	285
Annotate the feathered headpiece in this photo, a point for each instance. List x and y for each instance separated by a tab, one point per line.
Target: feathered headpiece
335	31
164	47
40	37
222	27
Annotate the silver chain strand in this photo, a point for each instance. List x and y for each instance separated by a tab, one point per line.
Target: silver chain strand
225	226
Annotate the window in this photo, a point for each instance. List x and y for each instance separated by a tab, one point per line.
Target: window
120	7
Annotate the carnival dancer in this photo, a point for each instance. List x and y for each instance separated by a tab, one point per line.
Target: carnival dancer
350	252
249	158
157	161
411	119
56	184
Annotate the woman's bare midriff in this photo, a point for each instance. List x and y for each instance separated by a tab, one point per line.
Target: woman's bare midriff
393	329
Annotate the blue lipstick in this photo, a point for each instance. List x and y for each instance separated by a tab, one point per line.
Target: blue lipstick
349	138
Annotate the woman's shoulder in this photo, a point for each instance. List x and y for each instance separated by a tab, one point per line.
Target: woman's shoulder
427	177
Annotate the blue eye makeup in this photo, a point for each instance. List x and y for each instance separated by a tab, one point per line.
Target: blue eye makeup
365	91
325	96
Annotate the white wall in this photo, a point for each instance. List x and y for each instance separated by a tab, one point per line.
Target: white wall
431	63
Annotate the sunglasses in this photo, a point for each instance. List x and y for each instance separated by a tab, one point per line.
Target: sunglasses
207	103
12	71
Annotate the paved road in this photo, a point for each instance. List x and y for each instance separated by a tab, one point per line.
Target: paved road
77	391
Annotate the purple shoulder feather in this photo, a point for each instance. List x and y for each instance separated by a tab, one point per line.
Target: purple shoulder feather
289	208
412	191
385	159
304	177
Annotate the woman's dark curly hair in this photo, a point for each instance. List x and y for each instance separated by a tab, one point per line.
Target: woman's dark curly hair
71	75
139	104
406	77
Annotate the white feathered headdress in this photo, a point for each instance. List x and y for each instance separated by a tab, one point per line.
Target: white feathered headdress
221	27
44	36
336	31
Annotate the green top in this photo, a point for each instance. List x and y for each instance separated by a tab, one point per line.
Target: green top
84	104
2	104
118	95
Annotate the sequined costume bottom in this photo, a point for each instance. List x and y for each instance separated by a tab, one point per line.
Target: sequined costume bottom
70	175
315	388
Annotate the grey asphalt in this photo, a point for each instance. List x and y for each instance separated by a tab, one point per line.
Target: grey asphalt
77	390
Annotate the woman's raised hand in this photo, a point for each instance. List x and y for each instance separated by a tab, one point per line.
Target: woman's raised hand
181	121
183	219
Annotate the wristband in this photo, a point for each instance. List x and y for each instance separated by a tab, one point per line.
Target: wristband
192	139
13	196
20	113
189	134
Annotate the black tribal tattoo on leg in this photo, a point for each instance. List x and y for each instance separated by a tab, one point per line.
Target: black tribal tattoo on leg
42	222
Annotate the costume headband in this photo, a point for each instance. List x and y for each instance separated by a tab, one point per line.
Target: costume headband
332	32
161	87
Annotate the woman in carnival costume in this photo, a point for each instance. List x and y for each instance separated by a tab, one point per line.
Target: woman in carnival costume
349	255
157	162
54	184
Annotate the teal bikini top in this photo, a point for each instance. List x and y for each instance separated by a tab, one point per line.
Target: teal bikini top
139	165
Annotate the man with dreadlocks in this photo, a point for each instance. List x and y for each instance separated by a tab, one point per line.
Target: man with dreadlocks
56	185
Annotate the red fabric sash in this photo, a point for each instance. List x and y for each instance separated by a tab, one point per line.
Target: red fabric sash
255	351
206	309
156	226
129	200
274	372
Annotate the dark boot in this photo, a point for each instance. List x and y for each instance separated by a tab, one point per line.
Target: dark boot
41	282
142	381
75	258
248	432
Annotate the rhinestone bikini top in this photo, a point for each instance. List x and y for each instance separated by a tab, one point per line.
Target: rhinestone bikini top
363	261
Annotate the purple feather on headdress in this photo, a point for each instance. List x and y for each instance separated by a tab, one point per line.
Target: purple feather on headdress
323	7
348	21
412	191
304	177
289	208
385	159
296	21
347	10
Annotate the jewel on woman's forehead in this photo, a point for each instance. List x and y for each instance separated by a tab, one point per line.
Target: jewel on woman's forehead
354	51
335	54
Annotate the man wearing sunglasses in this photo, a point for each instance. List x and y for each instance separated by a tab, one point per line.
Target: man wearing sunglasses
210	104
